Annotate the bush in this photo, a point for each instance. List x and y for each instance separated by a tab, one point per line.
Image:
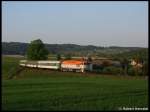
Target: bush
135	72
112	70
131	71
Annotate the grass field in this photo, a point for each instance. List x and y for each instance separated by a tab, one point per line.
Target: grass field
52	90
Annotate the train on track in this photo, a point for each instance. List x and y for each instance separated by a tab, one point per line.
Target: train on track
65	65
76	65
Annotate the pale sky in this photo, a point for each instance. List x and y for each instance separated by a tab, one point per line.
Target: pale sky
84	23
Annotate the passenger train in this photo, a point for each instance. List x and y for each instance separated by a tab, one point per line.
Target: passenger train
65	65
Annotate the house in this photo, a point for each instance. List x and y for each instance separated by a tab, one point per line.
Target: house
136	64
133	62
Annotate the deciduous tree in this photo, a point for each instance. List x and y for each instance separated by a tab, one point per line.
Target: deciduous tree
37	51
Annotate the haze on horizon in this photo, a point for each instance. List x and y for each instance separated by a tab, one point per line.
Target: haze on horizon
76	22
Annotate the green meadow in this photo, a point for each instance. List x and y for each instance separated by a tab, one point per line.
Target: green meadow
39	89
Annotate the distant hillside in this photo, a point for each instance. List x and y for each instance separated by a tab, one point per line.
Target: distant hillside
140	53
18	48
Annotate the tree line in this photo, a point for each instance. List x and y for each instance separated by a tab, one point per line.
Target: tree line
37	50
17	48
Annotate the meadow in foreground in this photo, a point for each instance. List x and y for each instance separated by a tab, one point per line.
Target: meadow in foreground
52	90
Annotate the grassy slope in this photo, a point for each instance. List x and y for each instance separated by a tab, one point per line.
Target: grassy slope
50	90
8	63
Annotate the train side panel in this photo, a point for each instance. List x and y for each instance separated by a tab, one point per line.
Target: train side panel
41	64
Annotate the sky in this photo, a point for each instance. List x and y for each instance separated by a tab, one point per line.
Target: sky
99	23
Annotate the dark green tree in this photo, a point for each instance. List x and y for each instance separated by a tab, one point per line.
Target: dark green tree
125	65
68	56
145	68
58	57
37	51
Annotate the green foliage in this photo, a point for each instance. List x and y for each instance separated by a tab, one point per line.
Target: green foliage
9	65
145	68
139	54
125	65
68	56
37	51
76	50
58	57
131	71
112	70
14	48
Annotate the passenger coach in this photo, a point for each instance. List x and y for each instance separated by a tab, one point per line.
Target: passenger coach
41	64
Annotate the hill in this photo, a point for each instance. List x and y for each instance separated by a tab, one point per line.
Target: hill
18	48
